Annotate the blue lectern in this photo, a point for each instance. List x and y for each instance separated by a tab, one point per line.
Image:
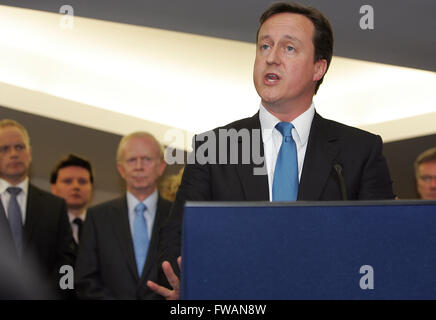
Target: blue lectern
309	250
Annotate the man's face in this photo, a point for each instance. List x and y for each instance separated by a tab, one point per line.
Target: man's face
426	180
15	155
284	70
141	165
74	185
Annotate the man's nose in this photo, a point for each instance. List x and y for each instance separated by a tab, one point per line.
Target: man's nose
273	56
76	184
13	153
139	164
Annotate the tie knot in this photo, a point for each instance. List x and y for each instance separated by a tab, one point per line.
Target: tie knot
285	128
78	221
14	190
140	208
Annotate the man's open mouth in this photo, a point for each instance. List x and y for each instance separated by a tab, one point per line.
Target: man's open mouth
271	77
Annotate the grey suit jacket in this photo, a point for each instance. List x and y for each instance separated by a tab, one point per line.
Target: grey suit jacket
106	266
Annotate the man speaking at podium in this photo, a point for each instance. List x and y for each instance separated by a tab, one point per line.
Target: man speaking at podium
306	157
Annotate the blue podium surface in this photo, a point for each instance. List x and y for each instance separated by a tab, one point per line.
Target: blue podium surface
309	250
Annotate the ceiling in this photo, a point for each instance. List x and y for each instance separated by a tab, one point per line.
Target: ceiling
403	30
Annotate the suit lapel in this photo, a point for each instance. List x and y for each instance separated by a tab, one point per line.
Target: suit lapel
120	217
255	186
318	161
3	218
321	152
7	246
154	239
34	209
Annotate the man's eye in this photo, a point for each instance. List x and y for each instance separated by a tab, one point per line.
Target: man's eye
68	181
290	48
4	149
426	179
264	47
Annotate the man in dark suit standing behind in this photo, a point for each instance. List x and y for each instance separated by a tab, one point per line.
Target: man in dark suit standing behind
304	156
35	222
118	248
72	179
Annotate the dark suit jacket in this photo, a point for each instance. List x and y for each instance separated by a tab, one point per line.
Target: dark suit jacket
47	238
359	153
106	266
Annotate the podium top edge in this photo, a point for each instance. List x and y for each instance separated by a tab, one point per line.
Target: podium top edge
218	204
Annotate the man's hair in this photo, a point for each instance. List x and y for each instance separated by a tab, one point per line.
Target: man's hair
323	35
138	134
5	123
427	156
71	160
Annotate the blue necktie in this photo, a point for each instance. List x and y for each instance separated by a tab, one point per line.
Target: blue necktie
140	236
15	219
285	184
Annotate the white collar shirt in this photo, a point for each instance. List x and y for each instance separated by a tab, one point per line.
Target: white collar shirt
21	197
272	139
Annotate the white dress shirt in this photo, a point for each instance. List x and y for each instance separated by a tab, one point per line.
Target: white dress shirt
272	139
21	197
149	214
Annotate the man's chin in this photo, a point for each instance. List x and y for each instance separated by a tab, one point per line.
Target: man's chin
270	101
141	187
76	206
15	176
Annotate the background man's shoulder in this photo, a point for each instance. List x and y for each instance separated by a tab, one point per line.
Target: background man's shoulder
45	197
103	209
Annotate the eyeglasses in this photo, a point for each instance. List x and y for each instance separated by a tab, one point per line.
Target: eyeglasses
427	178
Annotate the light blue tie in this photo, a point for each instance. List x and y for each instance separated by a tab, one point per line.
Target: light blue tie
15	219
140	236
285	184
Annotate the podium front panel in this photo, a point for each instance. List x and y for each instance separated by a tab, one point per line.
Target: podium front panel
319	250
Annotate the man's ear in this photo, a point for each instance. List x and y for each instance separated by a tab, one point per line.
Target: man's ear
120	169
320	69
162	167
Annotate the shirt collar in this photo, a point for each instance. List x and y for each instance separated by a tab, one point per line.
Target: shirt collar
72	217
150	201
301	124
24	185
